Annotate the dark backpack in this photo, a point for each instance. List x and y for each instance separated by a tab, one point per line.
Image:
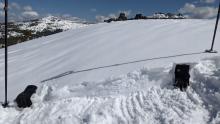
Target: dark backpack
182	76
23	100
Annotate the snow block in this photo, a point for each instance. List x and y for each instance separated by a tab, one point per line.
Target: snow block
23	100
182	76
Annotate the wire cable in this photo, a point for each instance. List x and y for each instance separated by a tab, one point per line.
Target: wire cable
119	64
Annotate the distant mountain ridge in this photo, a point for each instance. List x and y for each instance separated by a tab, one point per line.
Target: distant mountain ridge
27	30
159	15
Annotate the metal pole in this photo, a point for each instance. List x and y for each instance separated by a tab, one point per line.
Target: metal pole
216	27
6	53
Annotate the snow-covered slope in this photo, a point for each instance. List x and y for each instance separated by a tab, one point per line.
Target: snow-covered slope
103	96
140	97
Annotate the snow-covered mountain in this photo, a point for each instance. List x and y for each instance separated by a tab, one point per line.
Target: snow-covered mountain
23	31
160	15
52	23
137	93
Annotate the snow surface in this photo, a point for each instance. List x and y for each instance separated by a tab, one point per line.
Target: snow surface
109	96
14	34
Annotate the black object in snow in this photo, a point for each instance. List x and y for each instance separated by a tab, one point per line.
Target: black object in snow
23	100
182	76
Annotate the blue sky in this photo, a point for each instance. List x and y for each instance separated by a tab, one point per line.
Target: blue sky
92	9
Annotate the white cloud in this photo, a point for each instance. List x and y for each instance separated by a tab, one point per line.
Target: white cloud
199	12
112	15
207	1
1	5
27	8
70	17
2	14
18	12
100	18
14	6
66	15
15	17
30	14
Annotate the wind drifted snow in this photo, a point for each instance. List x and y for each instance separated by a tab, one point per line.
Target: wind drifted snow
140	97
